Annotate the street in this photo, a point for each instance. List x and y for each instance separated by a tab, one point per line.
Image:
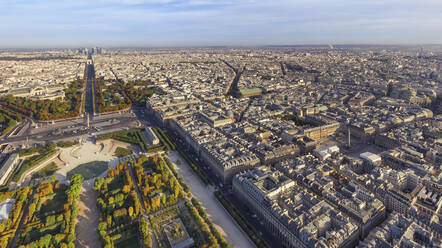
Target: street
30	132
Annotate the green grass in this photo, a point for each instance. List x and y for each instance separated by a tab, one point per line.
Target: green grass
48	170
128	243
33	150
53	205
89	170
130	136
31	162
66	144
165	139
148	165
122	152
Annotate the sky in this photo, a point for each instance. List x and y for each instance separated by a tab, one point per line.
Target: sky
171	23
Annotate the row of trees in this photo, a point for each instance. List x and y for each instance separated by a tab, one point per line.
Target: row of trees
165	138
180	180
169	142
38	149
194	166
208	236
221	241
144	230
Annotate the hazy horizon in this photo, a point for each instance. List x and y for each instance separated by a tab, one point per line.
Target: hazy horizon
205	23
356	45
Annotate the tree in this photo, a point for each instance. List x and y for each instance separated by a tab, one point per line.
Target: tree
59	218
144	229
98	183
45	241
31	209
156	201
75	186
130	211
102	226
119	199
109	220
52	145
58	238
111	201
50	220
126	189
163	199
71	238
176	191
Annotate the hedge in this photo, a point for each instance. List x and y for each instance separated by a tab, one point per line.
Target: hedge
168	147
165	138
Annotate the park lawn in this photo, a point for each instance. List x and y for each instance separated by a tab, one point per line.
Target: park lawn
53	205
149	164
122	152
132	242
89	170
48	170
31	162
115	184
55	202
130	136
66	144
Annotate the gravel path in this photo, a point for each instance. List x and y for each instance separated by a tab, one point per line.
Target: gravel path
87	220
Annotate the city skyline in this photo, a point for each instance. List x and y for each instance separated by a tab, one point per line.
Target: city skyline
221	123
177	23
295	147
